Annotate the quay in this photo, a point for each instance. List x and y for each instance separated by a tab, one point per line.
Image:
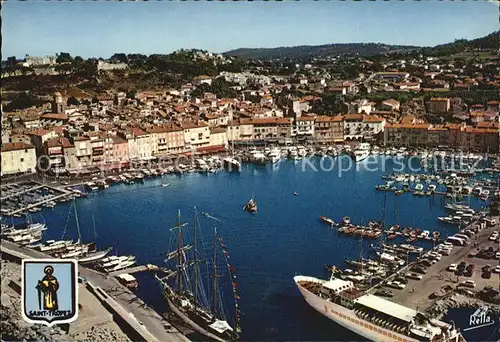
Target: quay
438	277
130	313
136	269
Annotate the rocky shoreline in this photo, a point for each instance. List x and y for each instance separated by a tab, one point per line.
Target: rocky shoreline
441	306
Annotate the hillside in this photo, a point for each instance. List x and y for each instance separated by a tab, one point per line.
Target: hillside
490	41
307	51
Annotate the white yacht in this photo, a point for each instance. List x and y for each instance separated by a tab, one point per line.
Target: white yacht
369	316
361	152
274	155
231	164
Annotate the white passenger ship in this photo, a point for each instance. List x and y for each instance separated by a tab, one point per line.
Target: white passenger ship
372	317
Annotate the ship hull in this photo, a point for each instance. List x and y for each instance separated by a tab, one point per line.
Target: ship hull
191	323
348	319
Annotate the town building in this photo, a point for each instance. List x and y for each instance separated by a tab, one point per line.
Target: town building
329	129
196	134
18	158
438	105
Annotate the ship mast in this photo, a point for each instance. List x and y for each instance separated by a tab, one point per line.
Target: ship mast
77	223
214	282
195	262
179	260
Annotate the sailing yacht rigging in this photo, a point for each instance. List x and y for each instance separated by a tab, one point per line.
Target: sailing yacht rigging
190	303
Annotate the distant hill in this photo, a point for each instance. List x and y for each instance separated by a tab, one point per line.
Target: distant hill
307	51
490	41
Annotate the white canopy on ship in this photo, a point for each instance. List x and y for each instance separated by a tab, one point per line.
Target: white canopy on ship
220	326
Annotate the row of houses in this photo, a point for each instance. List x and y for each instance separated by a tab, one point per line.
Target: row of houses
485	137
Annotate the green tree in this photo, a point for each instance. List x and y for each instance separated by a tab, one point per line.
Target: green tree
64	57
11	61
119	57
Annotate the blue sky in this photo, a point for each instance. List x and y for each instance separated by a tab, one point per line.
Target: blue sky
101	28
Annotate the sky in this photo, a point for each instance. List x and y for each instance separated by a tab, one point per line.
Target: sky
101	28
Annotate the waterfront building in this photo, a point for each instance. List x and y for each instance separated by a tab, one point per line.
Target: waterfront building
411	134
303	127
139	144
270	129
358	126
120	150
166	139
240	130
329	129
196	134
218	136
18	158
479	139
54	151
78	155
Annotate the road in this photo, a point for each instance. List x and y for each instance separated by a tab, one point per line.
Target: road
150	319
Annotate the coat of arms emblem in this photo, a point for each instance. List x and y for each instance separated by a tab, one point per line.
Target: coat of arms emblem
49	291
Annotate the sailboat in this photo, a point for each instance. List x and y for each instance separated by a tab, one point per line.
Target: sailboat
83	252
184	290
94	255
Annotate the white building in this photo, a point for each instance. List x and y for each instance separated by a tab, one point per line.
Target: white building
303	126
18	158
111	66
196	134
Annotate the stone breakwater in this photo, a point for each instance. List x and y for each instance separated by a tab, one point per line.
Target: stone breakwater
14	328
441	306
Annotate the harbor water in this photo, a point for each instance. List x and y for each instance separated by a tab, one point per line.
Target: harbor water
267	249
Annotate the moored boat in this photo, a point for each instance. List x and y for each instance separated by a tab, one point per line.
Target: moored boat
370	316
187	297
327	220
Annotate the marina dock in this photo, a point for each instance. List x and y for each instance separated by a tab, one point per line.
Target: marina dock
25	188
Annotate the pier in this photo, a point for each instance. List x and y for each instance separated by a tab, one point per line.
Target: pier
28	187
136	269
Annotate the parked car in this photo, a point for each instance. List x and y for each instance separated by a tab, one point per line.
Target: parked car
452	268
396	284
469	270
413	275
496	269
468	283
419	269
384	293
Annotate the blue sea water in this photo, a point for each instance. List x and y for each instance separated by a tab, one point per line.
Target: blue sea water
284	238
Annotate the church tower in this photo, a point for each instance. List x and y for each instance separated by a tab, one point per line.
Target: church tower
58	103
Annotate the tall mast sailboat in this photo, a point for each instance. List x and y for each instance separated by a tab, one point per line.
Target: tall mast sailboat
183	286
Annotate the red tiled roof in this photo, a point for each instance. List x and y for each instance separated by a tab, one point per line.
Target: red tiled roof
54	116
15	146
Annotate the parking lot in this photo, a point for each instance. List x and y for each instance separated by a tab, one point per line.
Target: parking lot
420	294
